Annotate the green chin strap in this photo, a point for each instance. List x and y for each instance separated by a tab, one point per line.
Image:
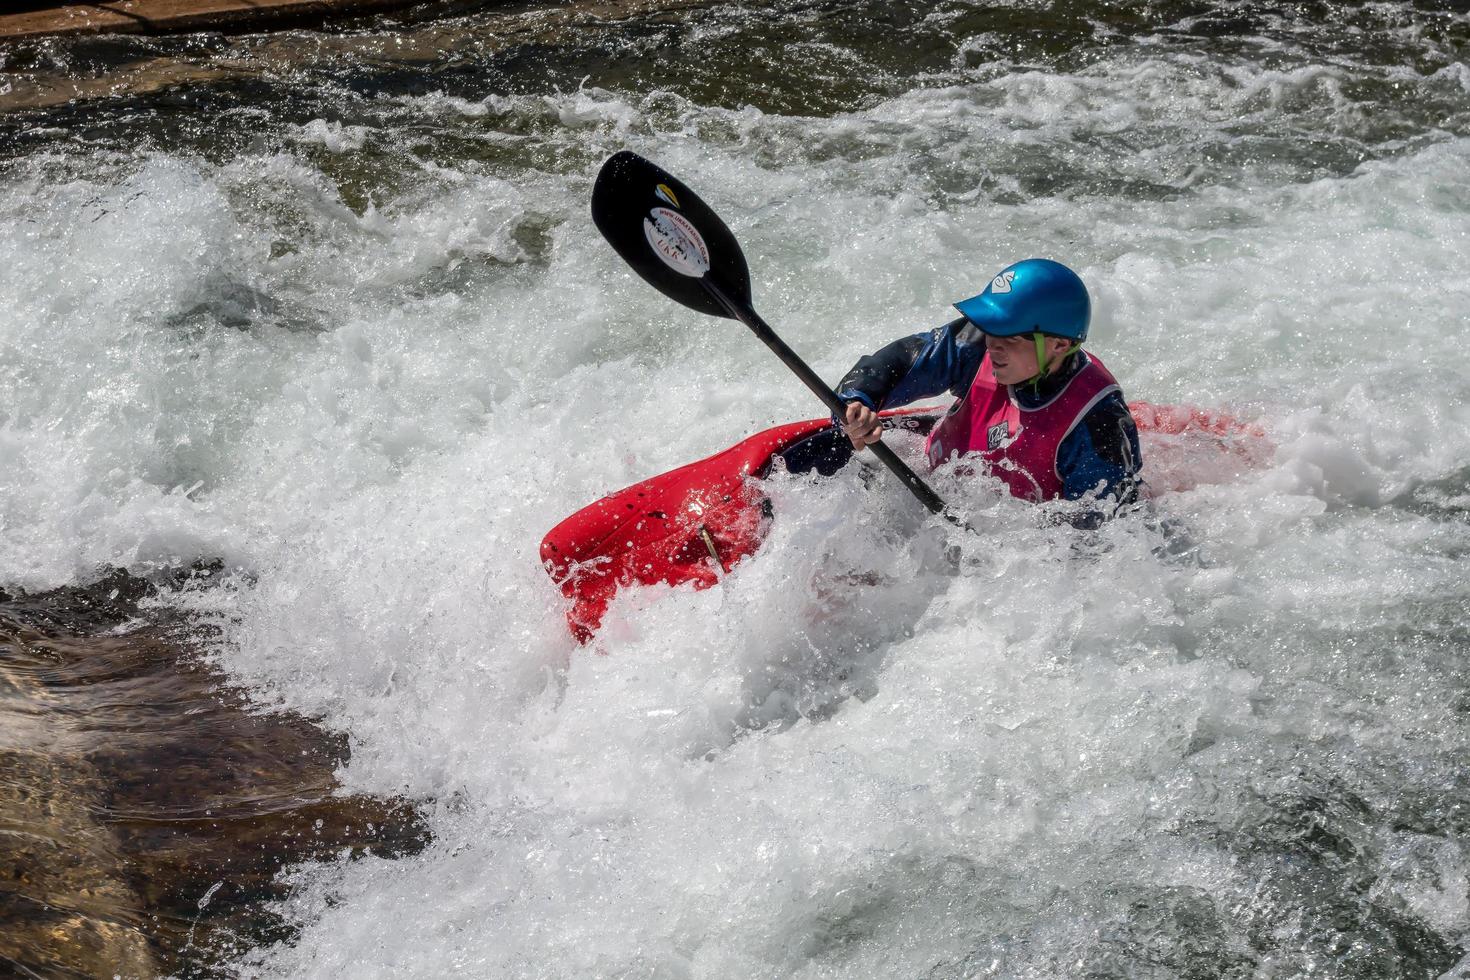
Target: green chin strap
1043	367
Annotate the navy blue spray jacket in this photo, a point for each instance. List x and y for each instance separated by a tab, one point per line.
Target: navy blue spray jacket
1100	459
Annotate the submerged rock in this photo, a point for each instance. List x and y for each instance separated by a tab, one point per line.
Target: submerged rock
145	808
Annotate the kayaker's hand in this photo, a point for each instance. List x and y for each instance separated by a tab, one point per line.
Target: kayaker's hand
862	425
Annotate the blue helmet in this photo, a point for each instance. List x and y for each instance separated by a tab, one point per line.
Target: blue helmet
1032	296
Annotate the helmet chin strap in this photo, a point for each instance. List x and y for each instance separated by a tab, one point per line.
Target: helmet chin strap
1042	367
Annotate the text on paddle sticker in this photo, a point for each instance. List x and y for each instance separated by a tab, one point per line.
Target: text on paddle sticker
677	242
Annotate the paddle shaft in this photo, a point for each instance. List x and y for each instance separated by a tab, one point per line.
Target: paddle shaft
837	406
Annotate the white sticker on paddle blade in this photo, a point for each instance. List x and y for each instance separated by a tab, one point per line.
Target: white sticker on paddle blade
677	242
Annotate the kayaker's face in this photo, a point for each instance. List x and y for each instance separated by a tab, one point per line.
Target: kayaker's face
1013	359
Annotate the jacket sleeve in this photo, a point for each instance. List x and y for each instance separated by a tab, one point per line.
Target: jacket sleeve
1100	461
942	360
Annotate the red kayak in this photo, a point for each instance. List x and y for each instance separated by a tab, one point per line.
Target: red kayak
693	524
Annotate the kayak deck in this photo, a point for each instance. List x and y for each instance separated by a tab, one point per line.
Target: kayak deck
695	523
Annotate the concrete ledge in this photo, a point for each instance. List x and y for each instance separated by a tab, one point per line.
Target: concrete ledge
175	16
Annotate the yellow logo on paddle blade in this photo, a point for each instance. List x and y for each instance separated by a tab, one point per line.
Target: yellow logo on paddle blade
667	194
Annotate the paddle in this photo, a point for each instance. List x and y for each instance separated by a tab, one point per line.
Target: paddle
672	239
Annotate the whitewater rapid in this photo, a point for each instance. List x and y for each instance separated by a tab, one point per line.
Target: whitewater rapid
368	358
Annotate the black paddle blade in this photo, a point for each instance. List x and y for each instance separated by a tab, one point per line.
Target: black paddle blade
668	235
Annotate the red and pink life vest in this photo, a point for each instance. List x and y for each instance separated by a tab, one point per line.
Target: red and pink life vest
1018	444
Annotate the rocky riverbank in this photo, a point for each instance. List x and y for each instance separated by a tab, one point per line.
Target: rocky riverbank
27	20
145	806
39	73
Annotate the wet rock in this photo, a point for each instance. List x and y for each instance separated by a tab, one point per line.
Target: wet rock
145	808
171	16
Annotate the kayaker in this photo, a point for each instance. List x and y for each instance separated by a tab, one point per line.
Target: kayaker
1047	417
